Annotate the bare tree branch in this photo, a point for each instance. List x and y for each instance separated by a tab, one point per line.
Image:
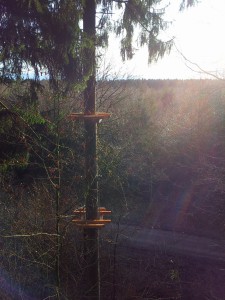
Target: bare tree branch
201	70
28	235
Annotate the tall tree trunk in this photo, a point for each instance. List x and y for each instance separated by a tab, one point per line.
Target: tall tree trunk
91	235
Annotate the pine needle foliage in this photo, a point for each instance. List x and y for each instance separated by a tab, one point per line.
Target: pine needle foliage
47	37
41	35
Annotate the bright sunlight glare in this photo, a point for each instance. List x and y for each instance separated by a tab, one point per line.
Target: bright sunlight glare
198	42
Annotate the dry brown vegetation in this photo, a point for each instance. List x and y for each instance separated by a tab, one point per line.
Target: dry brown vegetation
162	165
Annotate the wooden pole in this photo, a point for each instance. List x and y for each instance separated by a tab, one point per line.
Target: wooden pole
91	235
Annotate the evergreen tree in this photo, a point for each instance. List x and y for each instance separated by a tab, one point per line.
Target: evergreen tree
41	35
47	35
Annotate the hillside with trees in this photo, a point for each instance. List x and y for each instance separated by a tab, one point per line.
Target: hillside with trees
172	136
161	165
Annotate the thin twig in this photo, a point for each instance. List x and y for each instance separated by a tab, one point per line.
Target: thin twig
28	235
201	70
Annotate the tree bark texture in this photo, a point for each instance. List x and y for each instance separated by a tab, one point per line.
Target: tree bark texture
91	235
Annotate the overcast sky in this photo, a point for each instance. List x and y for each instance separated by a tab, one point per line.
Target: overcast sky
198	34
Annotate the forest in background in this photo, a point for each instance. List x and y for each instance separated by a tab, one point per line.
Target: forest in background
161	165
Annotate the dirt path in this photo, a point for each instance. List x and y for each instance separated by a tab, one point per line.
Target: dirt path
157	264
173	242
